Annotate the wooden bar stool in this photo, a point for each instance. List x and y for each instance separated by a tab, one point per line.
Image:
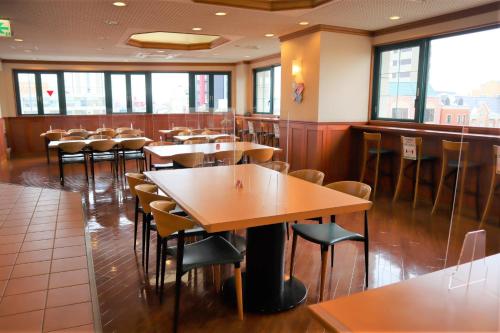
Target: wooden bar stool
376	152
407	162
458	168
494	186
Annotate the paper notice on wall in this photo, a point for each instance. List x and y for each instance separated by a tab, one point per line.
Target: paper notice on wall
409	148
498	160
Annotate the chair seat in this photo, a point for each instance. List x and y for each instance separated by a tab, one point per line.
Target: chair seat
382	151
104	156
162	166
428	158
79	158
133	155
325	234
213	250
455	164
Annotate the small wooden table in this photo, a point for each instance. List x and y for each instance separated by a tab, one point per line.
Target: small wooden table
165	152
267	199
422	304
55	144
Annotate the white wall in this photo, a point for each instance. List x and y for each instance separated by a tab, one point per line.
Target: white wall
241	81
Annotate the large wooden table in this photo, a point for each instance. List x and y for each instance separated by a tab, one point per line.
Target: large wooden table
422	304
210	137
55	144
267	199
165	152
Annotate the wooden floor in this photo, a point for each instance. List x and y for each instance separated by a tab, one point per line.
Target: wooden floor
404	243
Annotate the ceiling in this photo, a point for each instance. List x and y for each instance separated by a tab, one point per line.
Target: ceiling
95	30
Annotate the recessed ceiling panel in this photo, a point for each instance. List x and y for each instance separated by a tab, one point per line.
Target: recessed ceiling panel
174	41
270	5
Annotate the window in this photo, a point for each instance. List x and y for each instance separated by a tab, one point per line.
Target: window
91	93
170	92
85	94
451	80
267	90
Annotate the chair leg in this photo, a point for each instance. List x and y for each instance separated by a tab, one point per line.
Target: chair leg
417	183
216	271
143	236
367	254
489	200
163	263
136	219
440	188
61	170
292	258
85	166
239	289
178	276
478	192
159	241
363	164
148	239
324	259
92	172
332	255
287	231
400	180
377	165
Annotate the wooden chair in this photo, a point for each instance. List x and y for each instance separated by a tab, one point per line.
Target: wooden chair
259	155
376	152
126	136
210	132
106	131
407	163
181	128
135	132
188	160
229	138
214	250
196	141
310	175
458	165
279	166
133	150
134	179
71	138
103	151
54	135
71	153
159	166
228	157
99	137
125	130
329	234
81	133
77	130
494	186
184	132
197	131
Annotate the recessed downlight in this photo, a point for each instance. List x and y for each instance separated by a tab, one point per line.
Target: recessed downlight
394	18
160	51
247	56
269	35
18	40
220	14
119	4
111	22
303	23
197	29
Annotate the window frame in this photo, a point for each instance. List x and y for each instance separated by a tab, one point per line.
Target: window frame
271	104
108	90
211	89
423	73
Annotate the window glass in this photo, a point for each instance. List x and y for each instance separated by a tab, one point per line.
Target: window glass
85	93
463	85
263	91
170	92
201	93
221	93
119	93
27	93
398	83
50	93
138	93
277	91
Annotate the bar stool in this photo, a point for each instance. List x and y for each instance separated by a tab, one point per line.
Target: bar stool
275	138
377	152
410	162
495	177
250	135
458	168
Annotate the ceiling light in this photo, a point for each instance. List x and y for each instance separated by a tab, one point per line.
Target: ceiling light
220	14
196	29
394	18
110	22
160	51
304	23
247	56
119	4
18	40
269	35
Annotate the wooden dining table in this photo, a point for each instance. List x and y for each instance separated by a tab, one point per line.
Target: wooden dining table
266	200
421	304
55	144
209	137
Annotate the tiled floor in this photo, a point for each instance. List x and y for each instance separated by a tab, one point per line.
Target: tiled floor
44	276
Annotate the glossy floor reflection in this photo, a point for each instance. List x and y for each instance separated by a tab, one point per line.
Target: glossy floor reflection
404	243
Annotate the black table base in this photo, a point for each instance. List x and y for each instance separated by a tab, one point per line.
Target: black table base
264	288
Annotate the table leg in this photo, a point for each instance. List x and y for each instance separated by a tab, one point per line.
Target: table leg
265	289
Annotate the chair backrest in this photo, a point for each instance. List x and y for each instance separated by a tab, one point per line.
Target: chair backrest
455	146
161	143
279	166
167	223
101	129
122	129
418	146
189	160
73	130
209	132
377	137
148	193
106	131
134	179
56	131
197	131
260	155
229	157
133	144
196	141
276	130
229	138
126	136
102	145
182	132
310	175
458	149
71	147
180	128
136	132
99	137
54	136
357	189
251	129
71	137
83	134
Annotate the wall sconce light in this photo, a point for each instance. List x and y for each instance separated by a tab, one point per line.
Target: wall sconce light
296	67
298	85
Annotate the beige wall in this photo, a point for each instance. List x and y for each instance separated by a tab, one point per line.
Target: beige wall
276	60
344	77
241	93
7	94
307	50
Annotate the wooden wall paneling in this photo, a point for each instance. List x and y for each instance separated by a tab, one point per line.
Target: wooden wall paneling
3	142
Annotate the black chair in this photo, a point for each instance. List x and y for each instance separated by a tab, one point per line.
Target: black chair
103	151
71	153
327	235
133	149
214	250
134	179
